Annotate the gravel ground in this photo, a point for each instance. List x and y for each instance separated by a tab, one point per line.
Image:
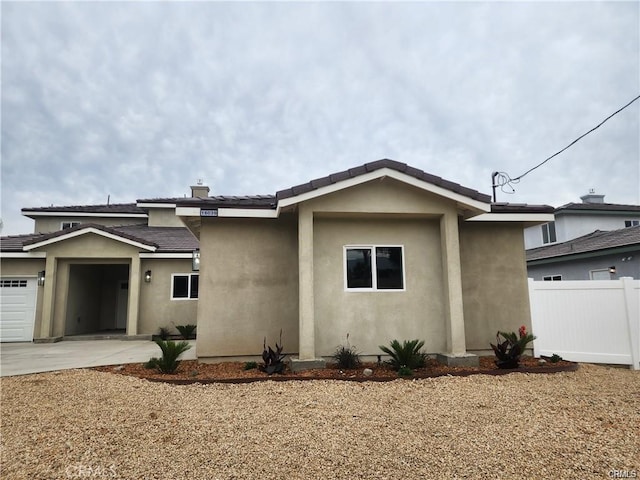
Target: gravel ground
89	424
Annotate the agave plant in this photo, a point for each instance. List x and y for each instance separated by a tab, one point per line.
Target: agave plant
186	331
509	350
408	354
273	359
171	350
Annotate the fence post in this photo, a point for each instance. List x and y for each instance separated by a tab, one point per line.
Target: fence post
534	316
633	321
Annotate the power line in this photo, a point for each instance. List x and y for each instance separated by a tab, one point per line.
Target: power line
502	179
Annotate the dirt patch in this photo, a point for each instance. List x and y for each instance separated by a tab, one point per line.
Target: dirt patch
192	371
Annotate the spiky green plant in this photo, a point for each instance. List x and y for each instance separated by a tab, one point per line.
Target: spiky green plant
509	350
186	331
405	372
171	350
346	356
408	354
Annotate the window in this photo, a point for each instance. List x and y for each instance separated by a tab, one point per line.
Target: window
374	268
13	283
66	225
552	278
631	223
184	286
549	232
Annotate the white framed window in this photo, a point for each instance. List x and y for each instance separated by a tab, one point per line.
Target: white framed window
549	232
600	274
184	286
631	223
65	225
374	268
552	278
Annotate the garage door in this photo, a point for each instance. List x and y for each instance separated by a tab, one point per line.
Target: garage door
17	309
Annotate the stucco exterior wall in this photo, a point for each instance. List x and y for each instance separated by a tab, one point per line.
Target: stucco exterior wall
23	267
375	318
578	269
164	217
53	224
157	309
248	285
494	281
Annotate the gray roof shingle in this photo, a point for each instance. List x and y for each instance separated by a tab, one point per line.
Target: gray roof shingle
114	208
592	242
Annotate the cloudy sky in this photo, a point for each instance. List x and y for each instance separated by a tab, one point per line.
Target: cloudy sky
139	100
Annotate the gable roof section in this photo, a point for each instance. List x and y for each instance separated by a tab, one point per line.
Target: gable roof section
14	243
86	228
361	174
598	241
122	210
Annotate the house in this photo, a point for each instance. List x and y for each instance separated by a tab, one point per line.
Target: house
599	255
98	269
382	251
574	220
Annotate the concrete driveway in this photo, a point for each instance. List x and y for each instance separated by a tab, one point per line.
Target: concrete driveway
25	358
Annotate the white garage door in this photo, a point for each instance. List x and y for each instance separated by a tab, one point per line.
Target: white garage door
17	309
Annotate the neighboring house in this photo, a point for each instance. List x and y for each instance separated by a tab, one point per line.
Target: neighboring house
598	255
574	220
123	268
382	251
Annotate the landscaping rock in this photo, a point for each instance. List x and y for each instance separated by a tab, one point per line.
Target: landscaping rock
367	372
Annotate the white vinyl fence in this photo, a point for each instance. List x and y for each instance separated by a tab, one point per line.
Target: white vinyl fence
596	321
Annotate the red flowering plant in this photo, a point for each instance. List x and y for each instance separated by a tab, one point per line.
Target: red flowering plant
510	349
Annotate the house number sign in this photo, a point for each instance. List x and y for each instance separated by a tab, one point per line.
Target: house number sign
209	213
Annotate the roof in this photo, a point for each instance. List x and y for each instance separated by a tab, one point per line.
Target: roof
598	207
114	208
592	242
520	208
161	239
232	201
377	165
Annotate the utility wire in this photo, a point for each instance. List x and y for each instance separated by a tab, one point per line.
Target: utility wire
502	179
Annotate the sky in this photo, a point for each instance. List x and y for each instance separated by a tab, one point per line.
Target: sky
127	101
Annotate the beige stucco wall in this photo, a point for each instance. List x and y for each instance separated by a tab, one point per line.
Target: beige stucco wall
248	286
164	217
156	307
23	267
494	281
53	224
375	318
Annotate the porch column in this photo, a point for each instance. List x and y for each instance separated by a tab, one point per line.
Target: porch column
452	279
134	296
46	323
306	322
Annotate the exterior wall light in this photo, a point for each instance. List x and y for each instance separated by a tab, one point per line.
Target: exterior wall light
147	276
41	275
195	260
612	269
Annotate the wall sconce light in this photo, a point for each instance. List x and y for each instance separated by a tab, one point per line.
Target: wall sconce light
41	278
612	269
195	260
147	276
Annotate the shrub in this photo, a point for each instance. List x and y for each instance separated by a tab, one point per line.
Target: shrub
510	349
151	363
273	359
407	354
346	356
186	331
555	358
171	350
250	365
405	371
164	333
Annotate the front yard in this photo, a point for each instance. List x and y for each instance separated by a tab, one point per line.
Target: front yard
89	424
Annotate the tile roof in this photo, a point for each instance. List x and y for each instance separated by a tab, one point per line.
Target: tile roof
114	208
165	239
599	207
232	201
592	242
520	208
377	165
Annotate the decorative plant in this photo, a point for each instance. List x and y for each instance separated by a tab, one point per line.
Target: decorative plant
151	363
405	371
164	333
555	358
408	354
346	356
510	349
186	331
273	359
171	350
250	365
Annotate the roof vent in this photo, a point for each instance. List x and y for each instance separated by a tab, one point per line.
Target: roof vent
591	197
